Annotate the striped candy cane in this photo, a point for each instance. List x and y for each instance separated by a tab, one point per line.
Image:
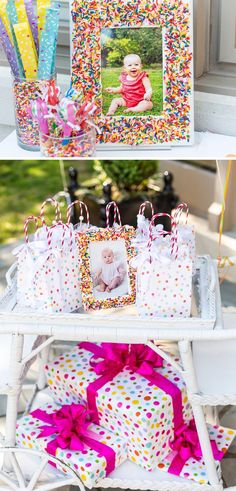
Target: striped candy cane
143	207
31	218
65	227
174	243
179	211
152	223
83	207
57	210
116	213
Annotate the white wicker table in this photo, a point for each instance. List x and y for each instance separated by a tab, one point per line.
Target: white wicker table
116	327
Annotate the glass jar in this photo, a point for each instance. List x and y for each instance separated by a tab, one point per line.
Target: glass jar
25	91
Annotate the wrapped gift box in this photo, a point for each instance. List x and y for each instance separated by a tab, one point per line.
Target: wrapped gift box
129	404
195	469
88	464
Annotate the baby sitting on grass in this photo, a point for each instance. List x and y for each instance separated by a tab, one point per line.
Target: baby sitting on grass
135	88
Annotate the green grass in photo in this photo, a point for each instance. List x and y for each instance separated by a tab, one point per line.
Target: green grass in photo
110	78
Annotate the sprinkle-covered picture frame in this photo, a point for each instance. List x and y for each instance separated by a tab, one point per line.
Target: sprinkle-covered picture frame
174	124
107	279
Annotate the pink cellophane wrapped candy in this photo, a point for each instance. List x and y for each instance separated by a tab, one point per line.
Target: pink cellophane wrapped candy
185	458
90	451
129	392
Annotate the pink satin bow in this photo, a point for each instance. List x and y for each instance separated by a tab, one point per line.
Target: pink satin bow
109	359
186	444
70	425
113	357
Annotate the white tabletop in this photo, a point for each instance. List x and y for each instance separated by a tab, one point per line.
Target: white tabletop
207	146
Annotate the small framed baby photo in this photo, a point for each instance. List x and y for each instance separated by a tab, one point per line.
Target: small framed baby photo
107	279
135	59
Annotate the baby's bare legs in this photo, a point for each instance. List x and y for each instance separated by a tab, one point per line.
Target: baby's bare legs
114	283
102	286
115	103
141	106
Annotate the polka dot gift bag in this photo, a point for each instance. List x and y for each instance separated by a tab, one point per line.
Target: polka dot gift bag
29	257
185	232
48	279
163	276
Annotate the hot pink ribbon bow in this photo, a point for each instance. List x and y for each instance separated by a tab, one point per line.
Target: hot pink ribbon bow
186	444
70	425
109	359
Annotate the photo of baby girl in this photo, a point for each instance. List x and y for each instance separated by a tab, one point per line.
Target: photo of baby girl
109	269
135	88
132	71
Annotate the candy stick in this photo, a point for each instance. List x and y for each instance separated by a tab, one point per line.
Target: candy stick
48	44
9	50
4	18
42	6
32	21
23	17
13	19
26	48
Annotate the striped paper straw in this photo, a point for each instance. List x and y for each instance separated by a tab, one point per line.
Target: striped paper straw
83	207
31	218
116	214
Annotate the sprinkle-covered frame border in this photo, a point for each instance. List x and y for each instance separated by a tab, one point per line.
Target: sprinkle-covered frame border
175	125
83	240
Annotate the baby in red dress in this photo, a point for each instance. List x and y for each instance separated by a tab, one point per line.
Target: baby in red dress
135	88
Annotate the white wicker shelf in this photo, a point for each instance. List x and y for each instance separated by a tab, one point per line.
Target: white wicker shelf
118	326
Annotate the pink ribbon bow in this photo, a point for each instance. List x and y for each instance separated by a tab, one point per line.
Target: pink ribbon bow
70	425
109	359
186	444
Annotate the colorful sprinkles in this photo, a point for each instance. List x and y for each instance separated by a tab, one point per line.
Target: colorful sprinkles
84	239
174	17
25	92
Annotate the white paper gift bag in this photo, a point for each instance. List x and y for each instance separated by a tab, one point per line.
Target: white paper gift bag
28	259
185	232
163	277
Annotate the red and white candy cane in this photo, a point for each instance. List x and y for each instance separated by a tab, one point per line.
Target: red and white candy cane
179	211
143	207
116	213
31	218
174	244
65	228
57	210
83	207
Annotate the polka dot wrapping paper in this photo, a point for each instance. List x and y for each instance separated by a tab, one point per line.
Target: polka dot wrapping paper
164	285
91	246
194	469
89	466
175	124
129	405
